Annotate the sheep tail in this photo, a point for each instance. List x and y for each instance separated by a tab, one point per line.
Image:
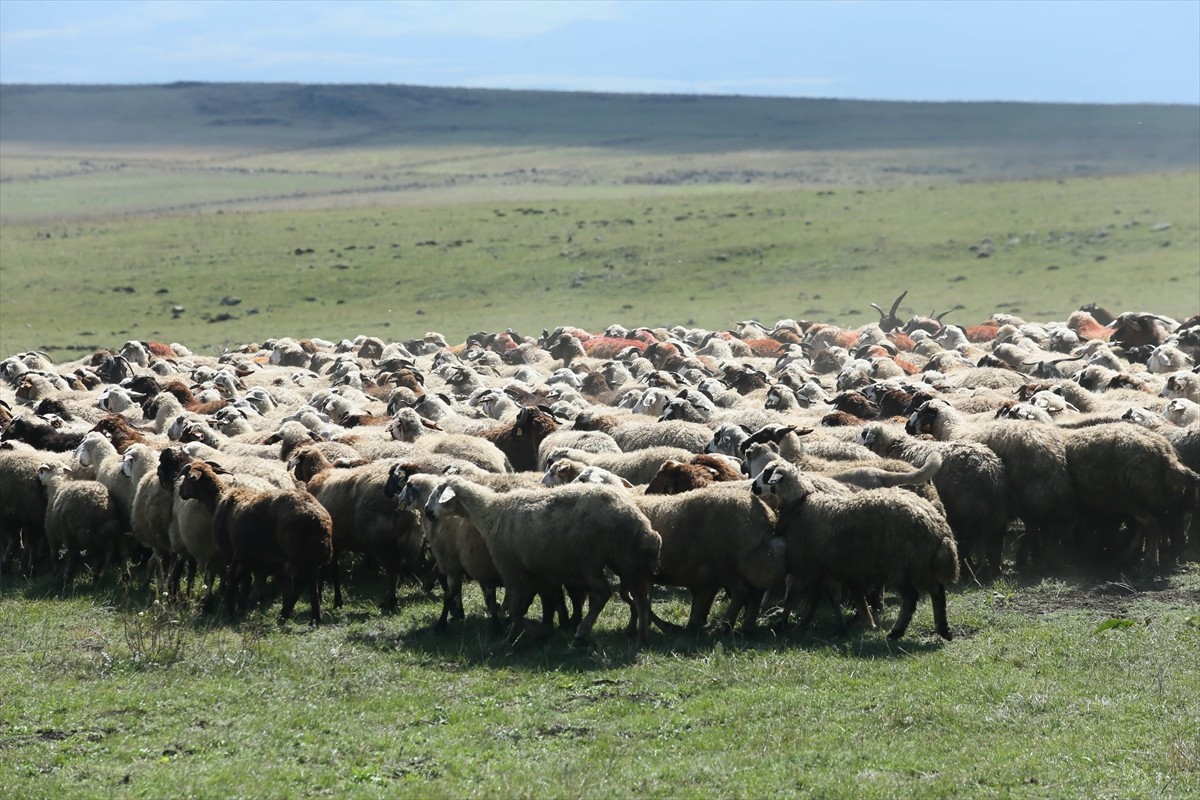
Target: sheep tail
932	464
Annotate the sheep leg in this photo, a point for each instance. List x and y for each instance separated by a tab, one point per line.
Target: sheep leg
175	575
937	598
314	597
98	565
1148	532
336	577
908	605
518	601
702	603
598	593
451	586
790	593
392	576
641	596
493	608
752	604
815	593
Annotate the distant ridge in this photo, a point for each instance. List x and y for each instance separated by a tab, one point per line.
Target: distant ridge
1146	137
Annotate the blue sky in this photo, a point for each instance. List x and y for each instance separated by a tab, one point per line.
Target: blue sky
1084	51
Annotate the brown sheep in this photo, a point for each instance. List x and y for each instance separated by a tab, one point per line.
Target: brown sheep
119	432
261	533
676	477
1126	472
364	519
520	440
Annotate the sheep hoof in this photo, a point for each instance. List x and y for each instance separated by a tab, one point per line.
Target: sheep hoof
895	635
945	634
580	644
439	626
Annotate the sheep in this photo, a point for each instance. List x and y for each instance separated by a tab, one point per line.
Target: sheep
542	540
41	435
1182	384
119	431
567	470
364	520
689	436
972	485
151	506
22	504
80	517
1126	472
286	534
637	467
1182	412
408	426
520	440
96	452
590	441
457	547
675	477
719	537
190	530
1035	460
883	537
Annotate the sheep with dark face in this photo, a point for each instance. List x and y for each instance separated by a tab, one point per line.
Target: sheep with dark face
41	435
364	519
875	537
457	547
520	440
1035	460
265	533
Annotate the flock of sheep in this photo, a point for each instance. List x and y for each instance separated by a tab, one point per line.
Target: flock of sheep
795	462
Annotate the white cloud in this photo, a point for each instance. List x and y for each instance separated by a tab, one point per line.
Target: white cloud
496	19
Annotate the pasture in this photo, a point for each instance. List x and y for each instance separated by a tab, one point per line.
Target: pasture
111	694
265	211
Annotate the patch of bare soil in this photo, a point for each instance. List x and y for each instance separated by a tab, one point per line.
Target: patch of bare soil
1111	598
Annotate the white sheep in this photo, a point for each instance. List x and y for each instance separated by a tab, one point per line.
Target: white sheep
886	537
542	540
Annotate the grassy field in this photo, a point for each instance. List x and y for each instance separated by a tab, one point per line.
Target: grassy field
110	694
678	256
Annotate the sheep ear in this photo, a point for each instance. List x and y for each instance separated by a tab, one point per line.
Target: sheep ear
433	426
273	438
626	484
713	471
802	431
776	477
446	495
217	468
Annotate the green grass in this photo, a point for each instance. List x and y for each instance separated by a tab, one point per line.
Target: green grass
703	257
1027	701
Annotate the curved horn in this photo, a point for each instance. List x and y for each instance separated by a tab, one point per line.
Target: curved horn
896	304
